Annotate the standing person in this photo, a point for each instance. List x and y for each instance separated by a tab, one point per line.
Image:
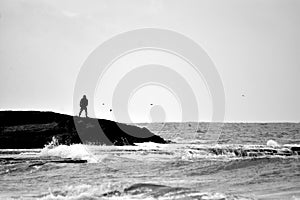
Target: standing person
83	105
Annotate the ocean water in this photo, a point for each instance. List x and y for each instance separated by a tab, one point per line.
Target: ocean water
182	170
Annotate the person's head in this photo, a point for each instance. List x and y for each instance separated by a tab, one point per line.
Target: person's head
84	96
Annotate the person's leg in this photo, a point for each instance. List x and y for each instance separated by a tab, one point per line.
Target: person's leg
80	112
86	114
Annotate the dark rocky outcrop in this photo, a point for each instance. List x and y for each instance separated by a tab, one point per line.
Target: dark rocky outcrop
34	129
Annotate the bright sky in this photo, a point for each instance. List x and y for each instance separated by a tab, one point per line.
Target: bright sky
254	44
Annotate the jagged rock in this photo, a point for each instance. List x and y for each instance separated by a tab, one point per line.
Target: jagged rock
34	129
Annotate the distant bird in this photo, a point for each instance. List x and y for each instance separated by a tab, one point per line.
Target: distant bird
110	110
102	103
151	104
243	95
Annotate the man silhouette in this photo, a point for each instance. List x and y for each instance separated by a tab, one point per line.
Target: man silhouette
83	105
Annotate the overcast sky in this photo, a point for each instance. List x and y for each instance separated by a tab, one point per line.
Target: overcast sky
254	44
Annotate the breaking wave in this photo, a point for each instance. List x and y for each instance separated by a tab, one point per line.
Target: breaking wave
75	152
135	191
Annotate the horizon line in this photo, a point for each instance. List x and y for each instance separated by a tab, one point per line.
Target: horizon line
226	121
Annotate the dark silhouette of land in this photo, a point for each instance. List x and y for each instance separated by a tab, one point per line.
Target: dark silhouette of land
34	129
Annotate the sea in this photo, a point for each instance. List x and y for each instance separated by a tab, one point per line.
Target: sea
183	169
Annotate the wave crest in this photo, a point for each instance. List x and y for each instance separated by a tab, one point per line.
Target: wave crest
75	151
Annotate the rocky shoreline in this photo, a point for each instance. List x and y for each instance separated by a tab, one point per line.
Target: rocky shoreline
35	129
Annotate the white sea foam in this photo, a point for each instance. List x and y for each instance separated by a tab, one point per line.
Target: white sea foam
272	143
75	151
150	145
82	191
72	192
85	191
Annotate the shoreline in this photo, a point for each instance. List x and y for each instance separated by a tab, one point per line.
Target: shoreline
35	129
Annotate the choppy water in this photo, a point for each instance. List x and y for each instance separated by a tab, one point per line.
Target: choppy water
184	170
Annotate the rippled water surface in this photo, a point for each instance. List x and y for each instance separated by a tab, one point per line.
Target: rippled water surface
182	170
